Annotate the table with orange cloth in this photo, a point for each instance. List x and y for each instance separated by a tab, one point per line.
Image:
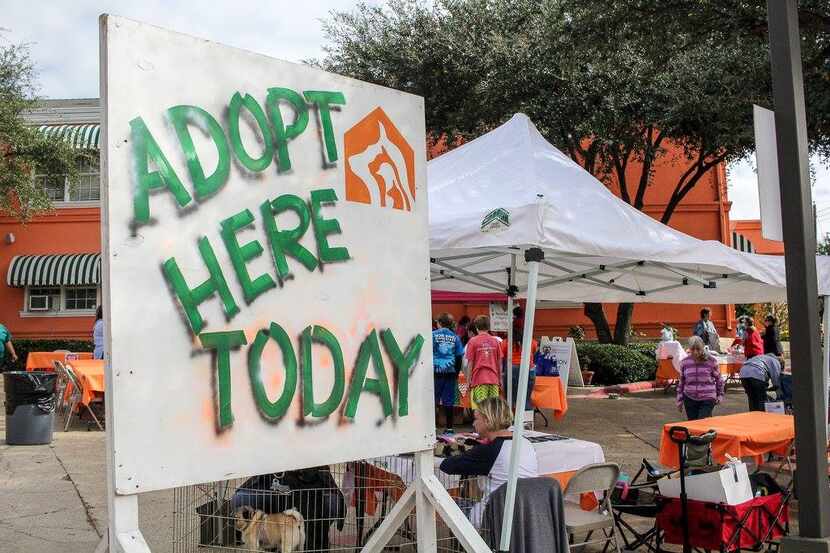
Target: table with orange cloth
548	393
45	360
729	365
90	373
740	435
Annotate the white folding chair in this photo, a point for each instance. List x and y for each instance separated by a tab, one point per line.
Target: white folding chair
75	398
600	477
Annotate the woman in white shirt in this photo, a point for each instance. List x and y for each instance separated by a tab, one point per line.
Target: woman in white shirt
492	420
98	334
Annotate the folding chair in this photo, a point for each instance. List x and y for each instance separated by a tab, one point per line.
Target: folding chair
600	477
776	466
75	397
60	389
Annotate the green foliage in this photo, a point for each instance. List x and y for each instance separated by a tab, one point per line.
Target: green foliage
615	364
23	347
609	83
24	151
745	310
823	246
577	333
648	349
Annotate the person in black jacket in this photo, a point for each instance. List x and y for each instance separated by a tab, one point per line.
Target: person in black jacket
772	344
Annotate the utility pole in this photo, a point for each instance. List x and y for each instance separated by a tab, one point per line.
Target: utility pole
802	289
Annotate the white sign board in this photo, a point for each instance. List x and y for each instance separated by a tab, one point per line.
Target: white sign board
499	319
567	361
266	262
766	160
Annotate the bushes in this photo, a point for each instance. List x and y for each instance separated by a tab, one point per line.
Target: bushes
614	364
648	349
23	347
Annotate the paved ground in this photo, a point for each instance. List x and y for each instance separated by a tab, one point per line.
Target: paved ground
53	498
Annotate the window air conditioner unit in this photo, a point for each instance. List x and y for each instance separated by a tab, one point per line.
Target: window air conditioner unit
38	303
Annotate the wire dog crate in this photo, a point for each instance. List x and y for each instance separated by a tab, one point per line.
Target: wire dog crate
340	507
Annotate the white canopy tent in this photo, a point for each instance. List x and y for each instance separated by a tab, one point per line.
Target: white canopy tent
510	212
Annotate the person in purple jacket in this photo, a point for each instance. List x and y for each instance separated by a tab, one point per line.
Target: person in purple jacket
701	384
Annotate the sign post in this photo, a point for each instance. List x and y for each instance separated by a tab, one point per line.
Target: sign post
266	281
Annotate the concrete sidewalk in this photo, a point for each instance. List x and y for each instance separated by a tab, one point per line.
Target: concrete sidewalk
53	498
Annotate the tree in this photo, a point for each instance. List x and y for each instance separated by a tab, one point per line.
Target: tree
24	152
613	91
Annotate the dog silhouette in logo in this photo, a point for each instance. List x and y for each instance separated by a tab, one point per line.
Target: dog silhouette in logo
379	164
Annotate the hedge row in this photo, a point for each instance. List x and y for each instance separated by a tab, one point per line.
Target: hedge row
615	364
23	347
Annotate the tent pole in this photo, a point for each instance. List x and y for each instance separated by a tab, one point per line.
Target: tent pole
533	256
508	363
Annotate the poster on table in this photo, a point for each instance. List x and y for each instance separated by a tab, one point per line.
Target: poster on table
267	283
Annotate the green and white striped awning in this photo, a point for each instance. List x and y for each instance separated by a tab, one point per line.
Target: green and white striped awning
80	137
66	269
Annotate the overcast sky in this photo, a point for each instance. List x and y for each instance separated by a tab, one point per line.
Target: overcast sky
64	43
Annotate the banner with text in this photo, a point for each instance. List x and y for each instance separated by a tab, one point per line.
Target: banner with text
266	263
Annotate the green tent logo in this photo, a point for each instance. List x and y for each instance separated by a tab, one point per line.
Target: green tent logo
496	220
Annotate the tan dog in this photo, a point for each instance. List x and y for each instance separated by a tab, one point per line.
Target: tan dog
260	531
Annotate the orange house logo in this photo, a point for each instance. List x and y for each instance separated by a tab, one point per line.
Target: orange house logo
380	164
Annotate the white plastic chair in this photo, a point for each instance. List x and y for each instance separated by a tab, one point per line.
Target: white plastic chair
600	477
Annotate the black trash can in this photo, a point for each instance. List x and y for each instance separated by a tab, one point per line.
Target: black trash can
30	407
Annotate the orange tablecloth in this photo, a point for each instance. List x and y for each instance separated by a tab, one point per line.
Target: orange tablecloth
91	376
548	393
45	360
741	435
666	371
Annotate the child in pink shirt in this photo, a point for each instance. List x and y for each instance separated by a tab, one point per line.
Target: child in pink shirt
484	358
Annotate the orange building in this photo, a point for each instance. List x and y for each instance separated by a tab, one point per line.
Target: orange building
52	263
746	236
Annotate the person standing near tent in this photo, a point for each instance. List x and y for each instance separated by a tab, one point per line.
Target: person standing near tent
461	329
447	353
701	385
484	358
6	346
515	362
755	373
706	331
772	344
98	334
753	343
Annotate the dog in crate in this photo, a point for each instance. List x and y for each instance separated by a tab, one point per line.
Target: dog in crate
282	532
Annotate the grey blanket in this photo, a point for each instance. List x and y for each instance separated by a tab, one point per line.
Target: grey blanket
538	520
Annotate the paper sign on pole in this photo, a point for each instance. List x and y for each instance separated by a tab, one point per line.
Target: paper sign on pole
766	160
499	319
266	263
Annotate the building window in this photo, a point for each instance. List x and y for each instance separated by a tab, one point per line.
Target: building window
80	298
87	189
44	300
56	300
